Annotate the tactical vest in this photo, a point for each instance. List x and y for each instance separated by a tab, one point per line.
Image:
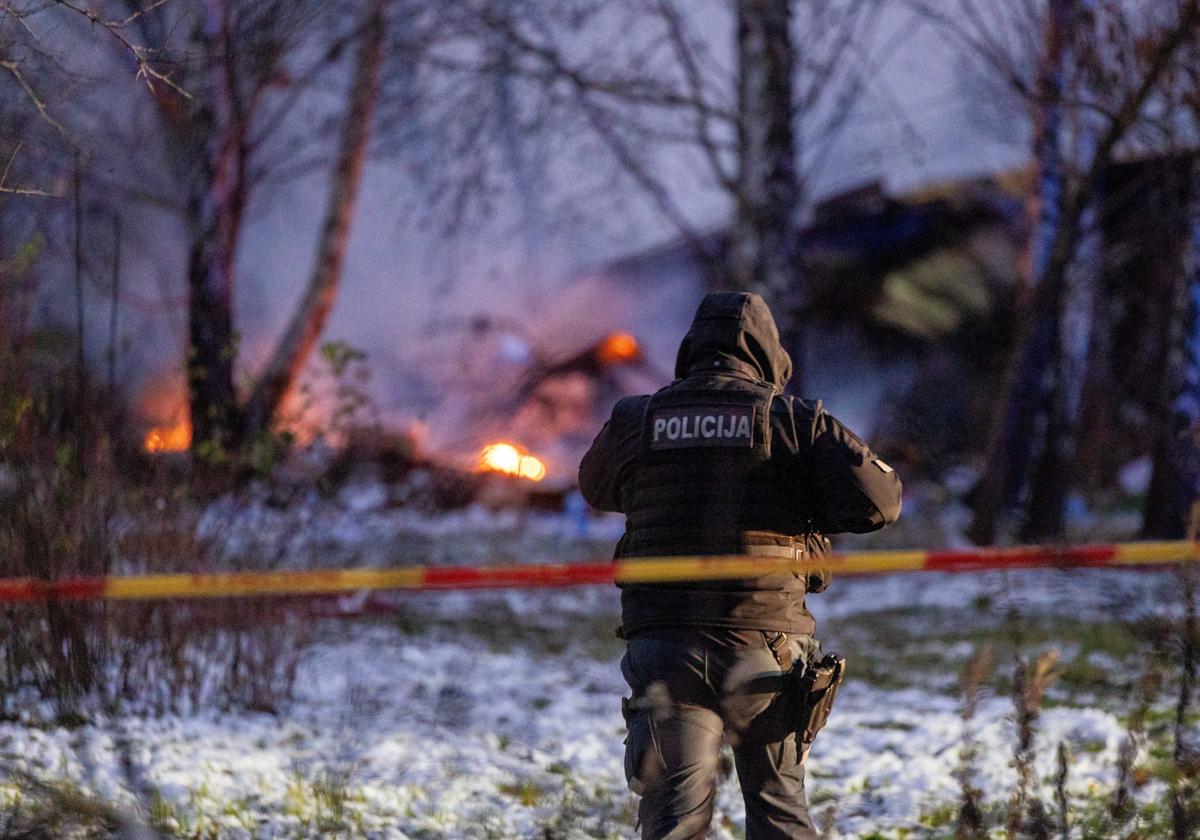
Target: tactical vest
704	483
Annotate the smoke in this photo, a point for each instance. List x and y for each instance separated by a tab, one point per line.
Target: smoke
448	322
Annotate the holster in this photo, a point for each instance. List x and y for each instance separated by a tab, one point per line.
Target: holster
816	691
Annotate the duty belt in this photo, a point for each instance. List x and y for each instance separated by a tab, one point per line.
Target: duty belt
791	552
781	650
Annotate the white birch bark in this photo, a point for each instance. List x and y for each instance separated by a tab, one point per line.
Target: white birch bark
308	321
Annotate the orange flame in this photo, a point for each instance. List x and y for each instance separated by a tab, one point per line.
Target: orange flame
618	347
177	438
511	460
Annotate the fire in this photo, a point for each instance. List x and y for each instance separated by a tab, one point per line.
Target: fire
177	438
511	460
618	347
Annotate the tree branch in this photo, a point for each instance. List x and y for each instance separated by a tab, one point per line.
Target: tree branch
28	191
14	70
703	113
113	27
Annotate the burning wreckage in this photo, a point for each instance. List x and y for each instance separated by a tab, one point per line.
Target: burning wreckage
542	400
906	321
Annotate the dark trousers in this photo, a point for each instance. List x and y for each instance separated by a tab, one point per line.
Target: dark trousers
693	690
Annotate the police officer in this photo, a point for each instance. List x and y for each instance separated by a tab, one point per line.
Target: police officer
721	462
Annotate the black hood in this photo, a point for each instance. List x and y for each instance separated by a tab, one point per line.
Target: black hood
735	331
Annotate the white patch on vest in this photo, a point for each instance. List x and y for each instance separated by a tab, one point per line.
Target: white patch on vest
702	426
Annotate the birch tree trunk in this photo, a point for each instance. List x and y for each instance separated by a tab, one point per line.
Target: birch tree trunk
762	255
1008	450
217	199
308	321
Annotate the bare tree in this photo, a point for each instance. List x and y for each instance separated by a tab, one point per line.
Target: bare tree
762	255
1008	450
38	82
308	321
49	155
1174	488
644	84
1140	120
226	58
1102	68
229	127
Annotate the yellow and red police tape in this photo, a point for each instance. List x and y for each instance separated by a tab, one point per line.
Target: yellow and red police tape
648	570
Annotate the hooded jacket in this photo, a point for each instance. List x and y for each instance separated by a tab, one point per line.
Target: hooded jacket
721	462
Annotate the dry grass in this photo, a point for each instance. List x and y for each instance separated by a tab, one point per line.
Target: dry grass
56	810
970	812
79	498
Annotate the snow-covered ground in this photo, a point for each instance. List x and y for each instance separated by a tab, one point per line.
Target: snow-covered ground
454	731
443	738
